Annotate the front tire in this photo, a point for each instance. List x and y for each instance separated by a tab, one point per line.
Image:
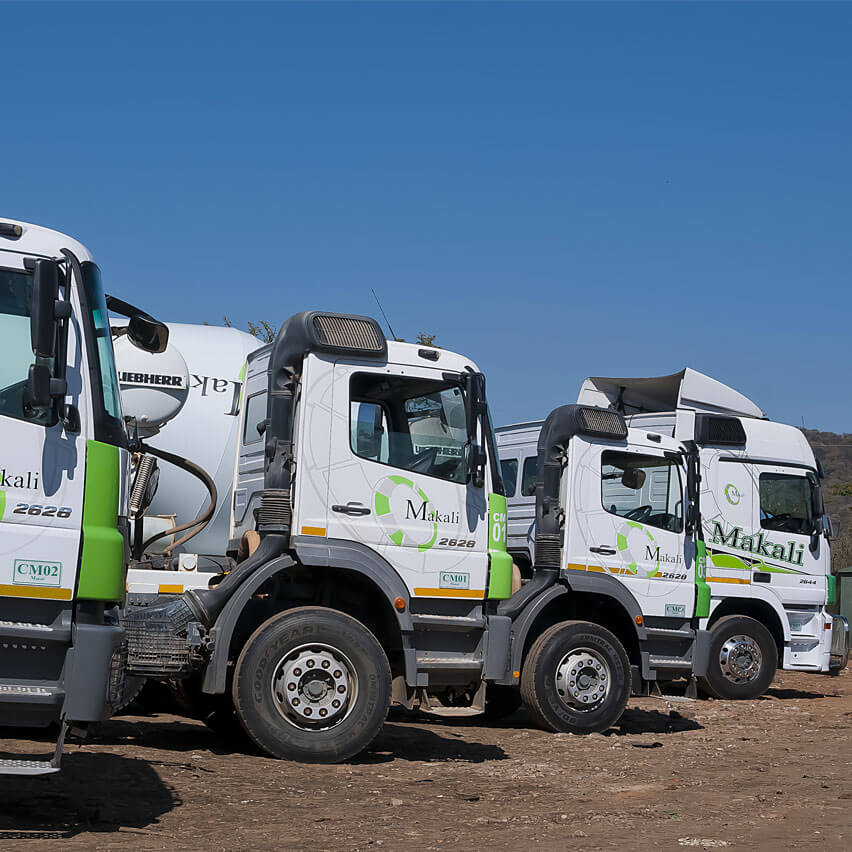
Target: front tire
312	684
743	659
576	678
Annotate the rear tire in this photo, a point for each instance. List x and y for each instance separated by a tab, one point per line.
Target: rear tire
312	684
576	678
743	659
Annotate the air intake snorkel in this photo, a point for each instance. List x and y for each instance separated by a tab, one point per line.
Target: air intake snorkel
560	426
303	333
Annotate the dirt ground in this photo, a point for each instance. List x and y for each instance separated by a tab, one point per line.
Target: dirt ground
769	774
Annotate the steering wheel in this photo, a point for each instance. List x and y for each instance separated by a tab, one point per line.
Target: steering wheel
639	513
423	461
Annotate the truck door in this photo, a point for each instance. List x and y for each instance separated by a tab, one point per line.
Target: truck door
248	480
625	518
397	480
41	462
728	513
787	517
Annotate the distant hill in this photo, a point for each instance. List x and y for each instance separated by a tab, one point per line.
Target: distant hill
835	453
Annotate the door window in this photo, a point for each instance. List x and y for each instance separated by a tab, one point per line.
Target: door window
255	415
409	423
16	295
509	469
786	503
529	475
642	488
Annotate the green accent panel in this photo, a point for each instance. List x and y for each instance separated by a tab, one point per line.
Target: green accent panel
702	587
401	480
2	504
423	547
382	504
773	569
397	537
728	561
242	380
499	562
832	589
621	542
632	567
422	495
102	565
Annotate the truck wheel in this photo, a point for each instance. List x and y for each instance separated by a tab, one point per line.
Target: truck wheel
576	678
312	684
501	701
743	659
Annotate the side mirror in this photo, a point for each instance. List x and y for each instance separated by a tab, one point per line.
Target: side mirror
43	313
476	460
148	334
143	330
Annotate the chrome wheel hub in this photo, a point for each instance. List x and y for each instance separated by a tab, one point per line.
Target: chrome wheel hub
740	659
583	679
314	687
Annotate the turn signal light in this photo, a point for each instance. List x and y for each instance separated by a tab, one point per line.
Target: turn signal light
638	619
399	603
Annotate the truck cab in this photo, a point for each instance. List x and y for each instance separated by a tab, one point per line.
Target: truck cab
63	489
769	565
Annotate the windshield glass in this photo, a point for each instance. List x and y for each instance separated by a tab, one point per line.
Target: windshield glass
786	503
103	340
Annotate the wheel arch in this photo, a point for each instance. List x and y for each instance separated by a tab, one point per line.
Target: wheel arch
360	588
760	610
563	603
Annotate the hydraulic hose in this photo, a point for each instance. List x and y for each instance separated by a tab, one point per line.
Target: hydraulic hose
200	522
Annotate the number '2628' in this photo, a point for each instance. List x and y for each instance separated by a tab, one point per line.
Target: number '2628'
44	511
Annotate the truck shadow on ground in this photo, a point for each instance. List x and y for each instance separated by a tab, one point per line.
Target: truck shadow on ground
395	742
93	793
409	742
634	720
790	694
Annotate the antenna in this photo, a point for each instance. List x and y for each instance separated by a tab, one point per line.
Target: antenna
383	313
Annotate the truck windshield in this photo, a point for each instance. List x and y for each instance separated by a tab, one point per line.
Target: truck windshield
103	341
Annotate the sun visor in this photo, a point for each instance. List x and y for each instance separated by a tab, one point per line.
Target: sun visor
687	389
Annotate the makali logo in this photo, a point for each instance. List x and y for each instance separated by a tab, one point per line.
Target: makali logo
28	481
397	501
733	494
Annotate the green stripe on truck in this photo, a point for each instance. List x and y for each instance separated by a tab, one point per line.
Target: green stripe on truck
102	566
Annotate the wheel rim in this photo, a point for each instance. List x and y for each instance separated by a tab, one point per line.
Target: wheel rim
740	659
583	679
314	687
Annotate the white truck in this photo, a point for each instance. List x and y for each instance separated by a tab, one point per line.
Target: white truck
768	550
368	564
63	487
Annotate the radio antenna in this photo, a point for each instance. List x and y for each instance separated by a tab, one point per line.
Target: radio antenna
383	313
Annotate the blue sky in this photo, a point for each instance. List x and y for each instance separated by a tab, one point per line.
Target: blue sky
556	190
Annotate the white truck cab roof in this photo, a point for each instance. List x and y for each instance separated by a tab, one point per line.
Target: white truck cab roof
37	241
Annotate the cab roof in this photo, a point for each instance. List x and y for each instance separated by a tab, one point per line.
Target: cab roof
38	241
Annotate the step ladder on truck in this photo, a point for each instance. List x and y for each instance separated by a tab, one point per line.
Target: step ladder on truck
767	537
63	492
367	563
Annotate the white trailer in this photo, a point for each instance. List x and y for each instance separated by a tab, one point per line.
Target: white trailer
768	550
